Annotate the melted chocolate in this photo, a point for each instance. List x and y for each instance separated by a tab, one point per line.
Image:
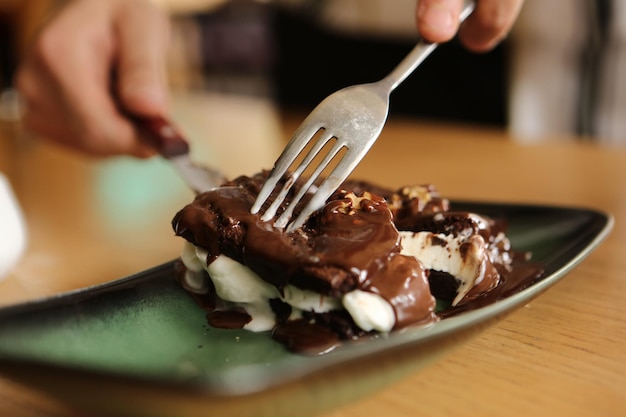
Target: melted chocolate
304	337
351	243
228	319
521	276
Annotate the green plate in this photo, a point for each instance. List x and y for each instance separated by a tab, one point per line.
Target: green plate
140	346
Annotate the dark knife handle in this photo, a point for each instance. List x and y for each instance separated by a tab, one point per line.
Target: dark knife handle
162	135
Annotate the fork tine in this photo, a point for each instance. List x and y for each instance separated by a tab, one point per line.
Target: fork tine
326	188
295	175
296	144
330	155
315	149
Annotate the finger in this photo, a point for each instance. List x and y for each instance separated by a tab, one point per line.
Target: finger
48	123
84	80
44	126
489	24
143	33
438	20
40	116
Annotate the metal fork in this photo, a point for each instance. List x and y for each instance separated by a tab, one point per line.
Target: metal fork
353	117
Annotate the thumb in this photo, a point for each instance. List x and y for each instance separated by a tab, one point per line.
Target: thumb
143	34
437	20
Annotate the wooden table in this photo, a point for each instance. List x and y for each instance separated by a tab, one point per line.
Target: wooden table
563	355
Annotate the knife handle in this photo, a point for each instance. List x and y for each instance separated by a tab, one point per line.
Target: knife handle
162	135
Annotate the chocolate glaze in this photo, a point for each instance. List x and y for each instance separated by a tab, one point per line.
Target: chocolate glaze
351	243
520	276
305	337
228	319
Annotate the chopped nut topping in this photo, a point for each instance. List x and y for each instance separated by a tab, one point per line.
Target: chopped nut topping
418	191
355	203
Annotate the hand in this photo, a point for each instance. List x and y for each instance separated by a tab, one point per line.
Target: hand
491	21
94	62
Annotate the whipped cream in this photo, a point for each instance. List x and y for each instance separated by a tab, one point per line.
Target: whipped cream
463	256
238	286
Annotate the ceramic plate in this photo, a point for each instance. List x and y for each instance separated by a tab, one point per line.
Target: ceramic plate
141	346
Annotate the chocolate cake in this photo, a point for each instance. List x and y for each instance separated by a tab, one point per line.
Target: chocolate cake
372	260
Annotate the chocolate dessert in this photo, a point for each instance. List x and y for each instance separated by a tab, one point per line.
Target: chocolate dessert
371	261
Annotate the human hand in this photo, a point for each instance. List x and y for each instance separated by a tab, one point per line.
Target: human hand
491	21
93	63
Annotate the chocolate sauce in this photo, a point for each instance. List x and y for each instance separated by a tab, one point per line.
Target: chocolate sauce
351	243
406	288
228	319
521	276
303	337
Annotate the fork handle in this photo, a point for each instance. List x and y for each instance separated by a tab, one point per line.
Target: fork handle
419	53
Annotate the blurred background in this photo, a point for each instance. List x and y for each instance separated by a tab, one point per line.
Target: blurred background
559	73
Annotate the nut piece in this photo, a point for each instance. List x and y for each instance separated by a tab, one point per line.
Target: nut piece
354	203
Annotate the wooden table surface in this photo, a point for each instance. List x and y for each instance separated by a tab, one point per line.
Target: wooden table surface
90	221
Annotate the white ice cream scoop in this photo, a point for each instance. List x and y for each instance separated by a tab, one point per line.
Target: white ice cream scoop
12	228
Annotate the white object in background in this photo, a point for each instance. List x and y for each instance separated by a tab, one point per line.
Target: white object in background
545	69
12	228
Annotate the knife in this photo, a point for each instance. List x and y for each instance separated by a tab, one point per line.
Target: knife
167	140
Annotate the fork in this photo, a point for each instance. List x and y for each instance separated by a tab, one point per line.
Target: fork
354	117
